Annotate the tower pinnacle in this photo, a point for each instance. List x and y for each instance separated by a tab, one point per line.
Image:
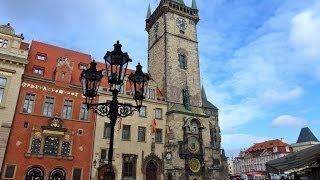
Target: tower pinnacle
194	4
149	11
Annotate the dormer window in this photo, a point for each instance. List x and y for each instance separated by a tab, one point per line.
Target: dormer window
275	149
38	71
41	57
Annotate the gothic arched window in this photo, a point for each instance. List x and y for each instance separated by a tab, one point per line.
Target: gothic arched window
183	61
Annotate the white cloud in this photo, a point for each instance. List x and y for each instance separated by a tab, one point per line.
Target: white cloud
288	121
304	33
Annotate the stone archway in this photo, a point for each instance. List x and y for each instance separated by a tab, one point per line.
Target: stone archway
152	167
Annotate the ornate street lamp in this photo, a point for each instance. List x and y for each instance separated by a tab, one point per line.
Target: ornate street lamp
116	67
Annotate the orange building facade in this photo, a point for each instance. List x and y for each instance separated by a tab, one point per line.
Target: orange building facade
52	132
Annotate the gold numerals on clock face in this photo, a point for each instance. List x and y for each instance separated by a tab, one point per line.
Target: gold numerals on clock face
193	145
194	165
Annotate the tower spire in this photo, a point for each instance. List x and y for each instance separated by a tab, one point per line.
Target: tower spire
149	11
194	4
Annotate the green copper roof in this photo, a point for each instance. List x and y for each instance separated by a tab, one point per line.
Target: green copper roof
149	11
194	4
179	1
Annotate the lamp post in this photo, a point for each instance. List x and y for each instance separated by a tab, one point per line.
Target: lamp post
116	67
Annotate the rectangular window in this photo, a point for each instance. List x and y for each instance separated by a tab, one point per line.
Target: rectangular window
84	114
151	93
48	106
3	82
41	57
141	134
28	103
38	71
107	131
158	136
77	174
10	170
67	109
126	132
158	113
143	111
103	155
129	167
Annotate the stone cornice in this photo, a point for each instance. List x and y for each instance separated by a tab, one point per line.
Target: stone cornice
13	59
173	7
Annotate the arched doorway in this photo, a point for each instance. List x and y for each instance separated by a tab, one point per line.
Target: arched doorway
35	173
106	172
151	171
152	167
57	174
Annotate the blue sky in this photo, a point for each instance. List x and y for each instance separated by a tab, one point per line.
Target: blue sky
260	59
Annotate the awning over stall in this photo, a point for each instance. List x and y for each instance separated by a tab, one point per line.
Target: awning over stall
295	161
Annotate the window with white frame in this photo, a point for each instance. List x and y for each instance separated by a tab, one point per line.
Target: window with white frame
67	109
143	111
141	134
158	113
151	93
3	82
158	136
38	71
84	112
48	106
28	103
126	132
41	57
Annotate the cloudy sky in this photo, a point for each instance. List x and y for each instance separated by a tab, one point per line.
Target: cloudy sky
260	59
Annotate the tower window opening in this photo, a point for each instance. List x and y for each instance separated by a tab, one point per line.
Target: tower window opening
183	61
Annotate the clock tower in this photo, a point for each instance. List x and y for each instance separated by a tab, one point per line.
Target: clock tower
192	140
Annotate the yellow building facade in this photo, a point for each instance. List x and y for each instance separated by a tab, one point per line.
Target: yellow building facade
13	58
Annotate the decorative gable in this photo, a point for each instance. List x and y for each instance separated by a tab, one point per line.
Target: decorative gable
63	70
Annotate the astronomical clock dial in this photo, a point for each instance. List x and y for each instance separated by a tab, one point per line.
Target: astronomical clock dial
193	145
194	127
194	165
182	24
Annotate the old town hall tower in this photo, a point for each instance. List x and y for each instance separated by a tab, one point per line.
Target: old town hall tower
192	140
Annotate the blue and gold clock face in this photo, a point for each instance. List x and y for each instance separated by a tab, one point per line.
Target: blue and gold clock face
182	24
193	145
